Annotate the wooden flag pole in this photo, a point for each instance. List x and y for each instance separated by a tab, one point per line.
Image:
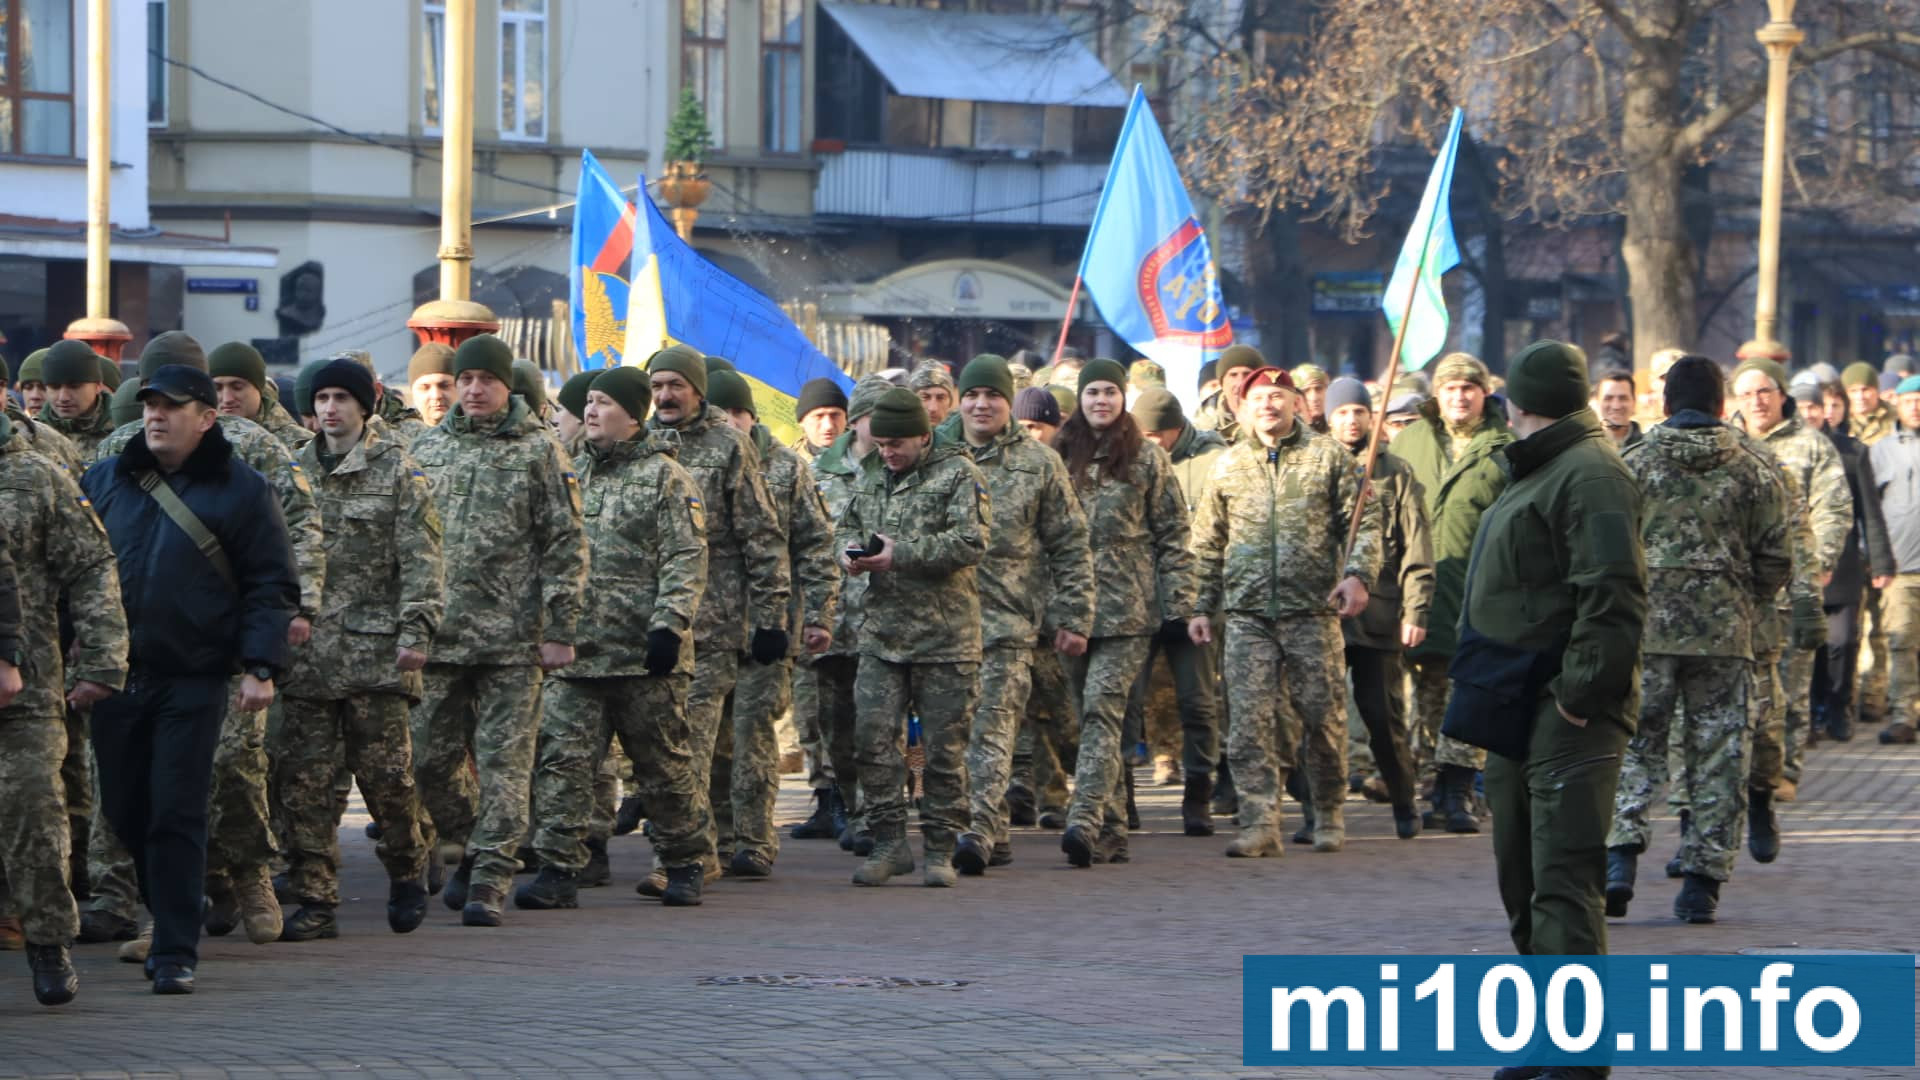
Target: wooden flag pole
1066	320
1386	398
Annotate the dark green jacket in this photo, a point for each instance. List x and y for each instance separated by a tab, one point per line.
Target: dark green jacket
1458	492
1559	557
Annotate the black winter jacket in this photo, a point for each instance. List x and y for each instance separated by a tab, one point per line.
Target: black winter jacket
183	617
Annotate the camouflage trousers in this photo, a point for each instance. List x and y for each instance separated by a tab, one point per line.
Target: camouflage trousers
1006	681
579	719
1900	602
715	672
35	837
1105	678
1431	750
832	676
808	728
1766	714
1796	682
370	736
486	711
1047	751
1287	681
942	695
1693	715
745	775
1875	660
240	839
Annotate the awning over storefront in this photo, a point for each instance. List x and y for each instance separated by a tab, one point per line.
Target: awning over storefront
39	238
954	289
960	56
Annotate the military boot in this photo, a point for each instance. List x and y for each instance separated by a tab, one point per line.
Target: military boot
747	863
1406	821
1673	865
406	906
598	871
654	885
939	870
1002	854
1079	844
223	909
455	895
1456	795
971	854
1052	819
838	808
1763	828
311	922
818	826
1196	816
891	855
628	817
136	950
1257	842
528	859
1020	805
1622	862
1226	802
1699	899
259	908
100	926
1304	834
1840	723
1329	829
483	906
554	888
54	980
863	839
1898	733
683	886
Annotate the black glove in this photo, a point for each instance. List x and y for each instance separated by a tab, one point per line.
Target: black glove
663	652
1809	624
1173	632
768	646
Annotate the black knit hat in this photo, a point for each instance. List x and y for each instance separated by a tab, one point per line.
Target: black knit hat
1037	404
346	375
821	393
573	394
70	361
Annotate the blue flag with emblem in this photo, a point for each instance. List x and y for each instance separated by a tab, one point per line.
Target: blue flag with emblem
1147	264
602	267
1413	293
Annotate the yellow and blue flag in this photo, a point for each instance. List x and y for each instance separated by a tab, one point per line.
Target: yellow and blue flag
603	222
680	297
1147	265
1427	255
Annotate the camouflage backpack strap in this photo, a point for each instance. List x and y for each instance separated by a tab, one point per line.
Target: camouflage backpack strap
196	530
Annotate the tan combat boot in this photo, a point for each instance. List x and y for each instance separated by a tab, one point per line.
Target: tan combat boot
259	910
1329	829
940	873
1257	842
137	950
891	855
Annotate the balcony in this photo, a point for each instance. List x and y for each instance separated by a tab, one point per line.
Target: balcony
940	186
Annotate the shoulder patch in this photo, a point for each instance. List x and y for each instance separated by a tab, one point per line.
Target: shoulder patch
696	512
1613	538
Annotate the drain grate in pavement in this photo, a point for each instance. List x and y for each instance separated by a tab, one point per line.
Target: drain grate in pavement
834	982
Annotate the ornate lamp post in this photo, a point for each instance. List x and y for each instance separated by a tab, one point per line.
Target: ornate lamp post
1780	35
455	317
100	330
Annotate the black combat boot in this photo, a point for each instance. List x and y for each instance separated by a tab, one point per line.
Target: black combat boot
406	906
1763	828
1673	865
1226	802
1406	821
819	826
554	888
598	871
1456	795
628	817
1078	845
455	895
747	863
837	806
683	886
1699	899
54	980
1196	815
1622	863
972	854
311	923
222	911
483	906
1020	805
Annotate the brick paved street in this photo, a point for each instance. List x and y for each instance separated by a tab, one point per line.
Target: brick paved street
1114	971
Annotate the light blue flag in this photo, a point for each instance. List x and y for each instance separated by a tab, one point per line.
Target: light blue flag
1427	255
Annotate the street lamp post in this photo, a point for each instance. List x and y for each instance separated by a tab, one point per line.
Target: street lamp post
455	317
99	329
1779	36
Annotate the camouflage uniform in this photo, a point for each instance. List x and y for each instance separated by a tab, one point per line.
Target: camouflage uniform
1133	522
919	637
403	423
59	551
1718	536
747	571
1039	569
516	560
1267	543
837	474
345	701
49	443
83	433
645	528
1047	752
745	775
274	417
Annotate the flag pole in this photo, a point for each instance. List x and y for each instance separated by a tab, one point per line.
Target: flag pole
1386	399
1066	320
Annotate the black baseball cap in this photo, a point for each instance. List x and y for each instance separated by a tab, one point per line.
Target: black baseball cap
180	384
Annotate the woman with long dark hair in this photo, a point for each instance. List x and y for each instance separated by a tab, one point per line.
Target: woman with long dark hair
1137	522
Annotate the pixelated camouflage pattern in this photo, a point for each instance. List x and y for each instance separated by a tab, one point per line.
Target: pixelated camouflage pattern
927	607
803	520
84	433
1039	567
368	734
1133	523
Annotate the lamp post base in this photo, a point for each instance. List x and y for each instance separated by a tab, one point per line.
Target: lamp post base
451	322
108	337
1764	350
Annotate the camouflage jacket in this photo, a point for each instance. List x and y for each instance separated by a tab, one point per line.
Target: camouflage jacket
281	425
1871	427
383	539
1770	621
1718	534
83	432
1403	592
1135	522
42	439
12	648
61	558
269	457
647	531
747	570
927	608
1039	569
1268	539
403	422
837	476
809	531
516	554
1815	465
1193	457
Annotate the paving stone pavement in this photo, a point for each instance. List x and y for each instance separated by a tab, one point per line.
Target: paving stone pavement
1130	971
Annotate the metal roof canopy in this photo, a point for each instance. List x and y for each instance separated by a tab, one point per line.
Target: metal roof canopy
959	56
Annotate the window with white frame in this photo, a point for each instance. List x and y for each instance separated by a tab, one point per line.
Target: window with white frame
156	67
433	62
782	64
523	69
36	77
703	59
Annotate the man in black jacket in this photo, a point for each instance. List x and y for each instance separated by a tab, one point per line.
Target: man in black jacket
199	612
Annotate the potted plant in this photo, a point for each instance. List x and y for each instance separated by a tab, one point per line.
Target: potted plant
682	183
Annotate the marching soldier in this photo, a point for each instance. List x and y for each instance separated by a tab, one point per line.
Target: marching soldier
430	382
77	401
240	376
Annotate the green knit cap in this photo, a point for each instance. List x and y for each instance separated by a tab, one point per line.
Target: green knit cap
1859	373
1102	369
125	406
1770	368
1548	378
989	371
683	362
303	385
70	361
110	373
33	368
238	360
484	352
628	387
727	390
1156	409
719	363
172	347
530	384
899	415
1239	356
866	393
1310	375
573	394
1068	400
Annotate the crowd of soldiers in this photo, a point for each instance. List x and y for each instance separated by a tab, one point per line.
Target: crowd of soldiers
525	626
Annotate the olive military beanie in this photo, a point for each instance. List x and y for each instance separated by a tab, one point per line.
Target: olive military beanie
1156	409
238	360
989	371
172	347
899	415
33	368
1238	356
70	361
573	394
1102	369
1859	373
1548	378
628	387
727	390
683	362
432	358
125	405
484	352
